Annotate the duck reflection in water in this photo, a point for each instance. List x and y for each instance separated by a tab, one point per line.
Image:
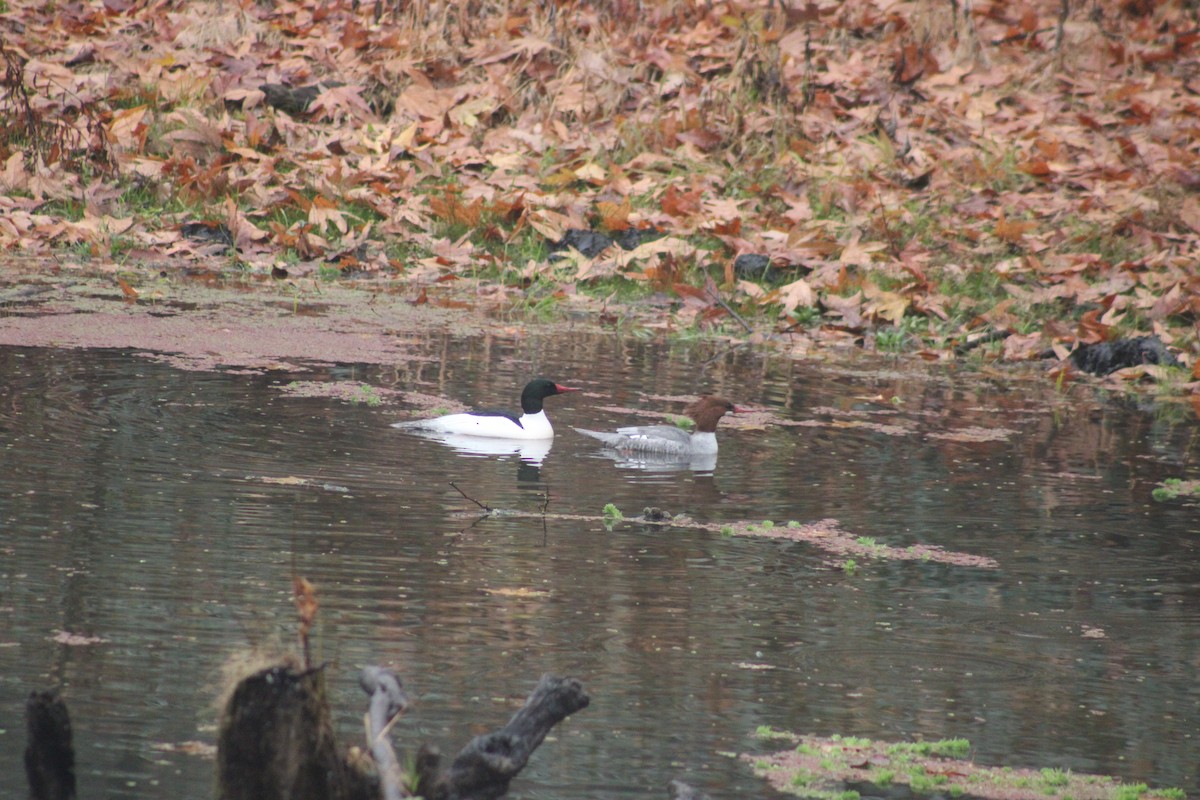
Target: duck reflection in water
530	451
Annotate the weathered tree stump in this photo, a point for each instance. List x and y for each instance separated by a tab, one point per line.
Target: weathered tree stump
49	754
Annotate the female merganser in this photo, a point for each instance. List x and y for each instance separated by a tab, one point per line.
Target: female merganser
669	440
532	424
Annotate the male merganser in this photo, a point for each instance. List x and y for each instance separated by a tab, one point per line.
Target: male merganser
669	440
532	424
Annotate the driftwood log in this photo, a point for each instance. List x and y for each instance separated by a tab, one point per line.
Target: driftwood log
484	768
388	701
276	741
49	755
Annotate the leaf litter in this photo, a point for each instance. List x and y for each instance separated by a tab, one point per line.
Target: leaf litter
947	174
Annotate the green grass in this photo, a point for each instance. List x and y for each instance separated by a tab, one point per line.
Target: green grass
952	748
368	395
1055	777
806	316
851	741
70	210
898	338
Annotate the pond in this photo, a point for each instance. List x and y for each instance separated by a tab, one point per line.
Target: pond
158	514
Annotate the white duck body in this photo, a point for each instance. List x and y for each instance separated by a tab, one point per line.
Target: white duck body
489	425
668	440
531	424
656	439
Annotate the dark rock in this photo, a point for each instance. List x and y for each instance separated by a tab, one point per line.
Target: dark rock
754	267
1105	357
214	232
593	243
588	243
294	101
631	238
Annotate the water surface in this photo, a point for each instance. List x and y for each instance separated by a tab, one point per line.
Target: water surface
166	511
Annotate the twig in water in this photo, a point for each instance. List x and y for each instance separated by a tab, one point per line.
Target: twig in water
472	499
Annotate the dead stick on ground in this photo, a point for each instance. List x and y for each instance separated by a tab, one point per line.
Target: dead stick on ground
720	301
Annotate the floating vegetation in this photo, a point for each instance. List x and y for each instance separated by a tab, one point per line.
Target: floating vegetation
346	391
837	768
828	535
292	480
1174	487
974	434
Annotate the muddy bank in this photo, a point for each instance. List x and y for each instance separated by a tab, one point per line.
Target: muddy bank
229	323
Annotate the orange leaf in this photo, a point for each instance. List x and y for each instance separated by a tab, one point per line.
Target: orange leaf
614	216
129	292
680	204
731	227
1011	232
1038	168
684	290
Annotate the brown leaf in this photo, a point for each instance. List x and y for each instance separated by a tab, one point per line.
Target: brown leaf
1012	232
848	308
1037	168
680	204
796	294
1022	347
1091	329
703	139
